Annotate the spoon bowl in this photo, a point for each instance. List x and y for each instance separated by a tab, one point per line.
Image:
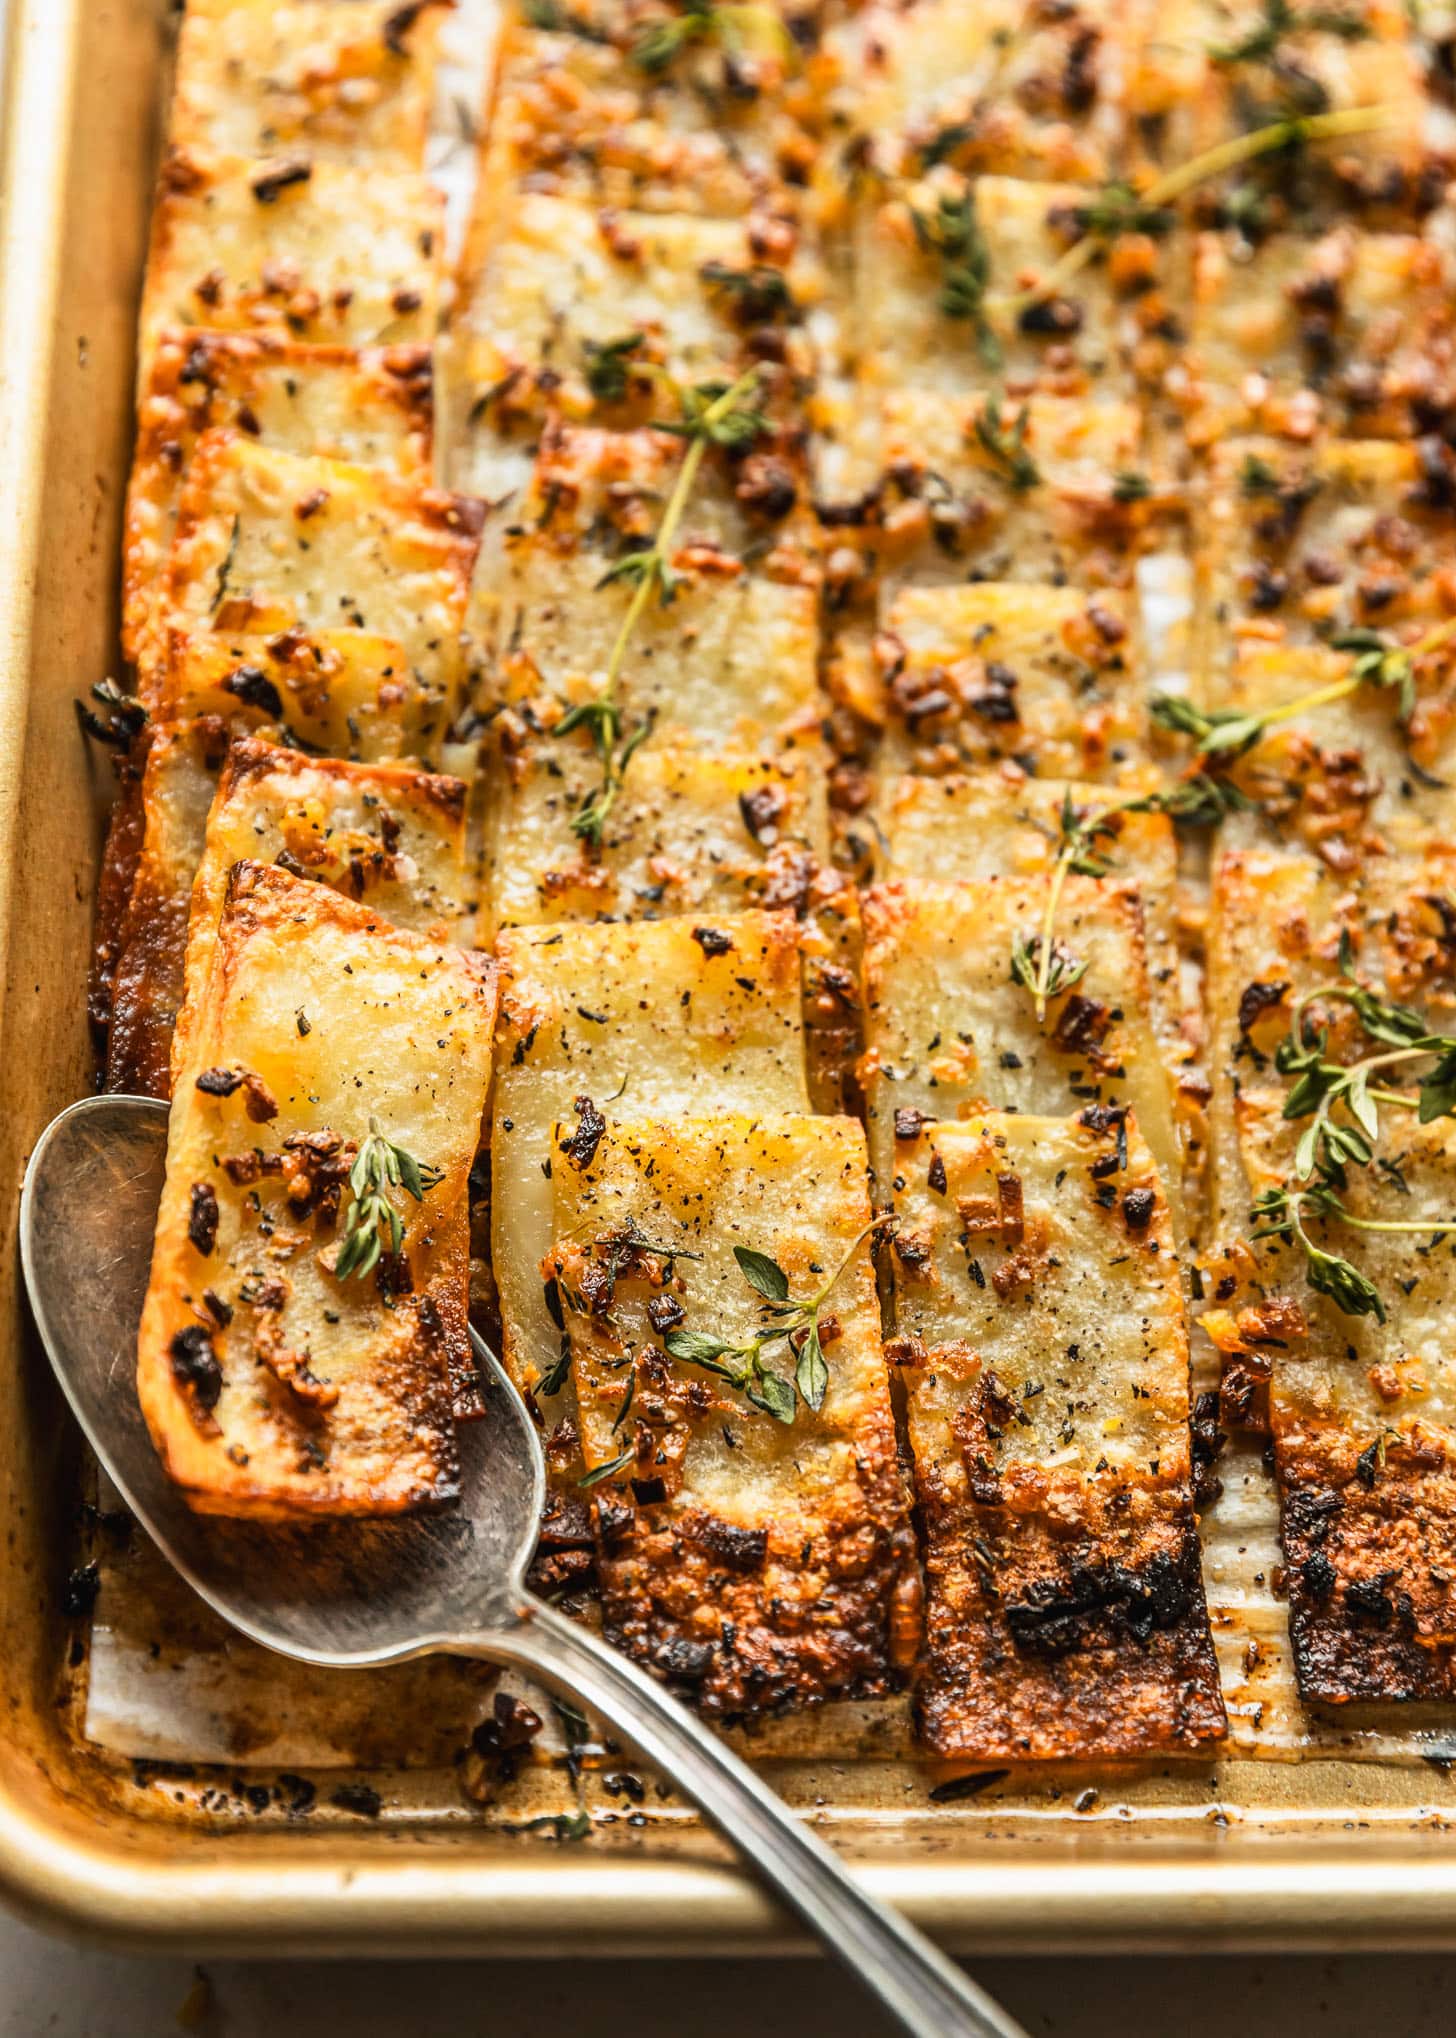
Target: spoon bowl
349	1594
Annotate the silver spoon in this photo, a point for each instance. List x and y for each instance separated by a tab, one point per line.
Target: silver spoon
355	1594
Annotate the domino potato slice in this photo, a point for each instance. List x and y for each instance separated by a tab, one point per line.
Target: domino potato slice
757	1564
730	661
1295	544
1076	344
667	1018
1363	1418
950	1033
372	407
712	132
1040	1336
273	1388
384	833
692	832
346	693
268	542
1072	507
1012	88
1351	334
334	84
558	278
1046	676
311	251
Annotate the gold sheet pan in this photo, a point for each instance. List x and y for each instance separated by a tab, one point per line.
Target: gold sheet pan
1228	1852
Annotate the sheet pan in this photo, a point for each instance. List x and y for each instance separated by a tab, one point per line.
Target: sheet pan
256	1838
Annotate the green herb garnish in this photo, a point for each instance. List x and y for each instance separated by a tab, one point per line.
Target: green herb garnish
379	1165
793	1324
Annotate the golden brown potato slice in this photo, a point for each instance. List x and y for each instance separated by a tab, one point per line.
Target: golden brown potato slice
309	251
268	542
274	1387
1039	1312
384	833
373	408
794	1532
334	84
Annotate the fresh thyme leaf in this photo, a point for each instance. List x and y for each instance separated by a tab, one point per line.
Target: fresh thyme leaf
378	1166
608	366
697	1348
953	233
1257	477
627	1398
1129	486
762	1273
1353	1293
1006	446
610	1469
1064	969
1437	1096
556	1375
794	1324
761	292
811	1375
1117	209
773	1394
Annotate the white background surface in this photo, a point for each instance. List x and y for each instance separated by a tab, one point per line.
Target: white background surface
49	1990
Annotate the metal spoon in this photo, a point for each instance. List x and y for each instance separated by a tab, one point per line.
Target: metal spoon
353	1594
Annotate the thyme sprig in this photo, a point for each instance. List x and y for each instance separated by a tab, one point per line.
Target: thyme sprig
1330	1145
1042	964
379	1166
1107	218
1224	734
737	29
609	365
953	233
713	413
1005	445
794	1324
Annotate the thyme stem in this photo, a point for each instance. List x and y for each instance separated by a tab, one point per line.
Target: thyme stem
1211	163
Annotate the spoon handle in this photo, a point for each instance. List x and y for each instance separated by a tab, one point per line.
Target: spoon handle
920	1990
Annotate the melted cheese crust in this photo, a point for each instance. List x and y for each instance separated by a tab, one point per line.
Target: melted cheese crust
330	256
373	408
291	1393
268	542
1041	1340
346	85
659	1017
758	1564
